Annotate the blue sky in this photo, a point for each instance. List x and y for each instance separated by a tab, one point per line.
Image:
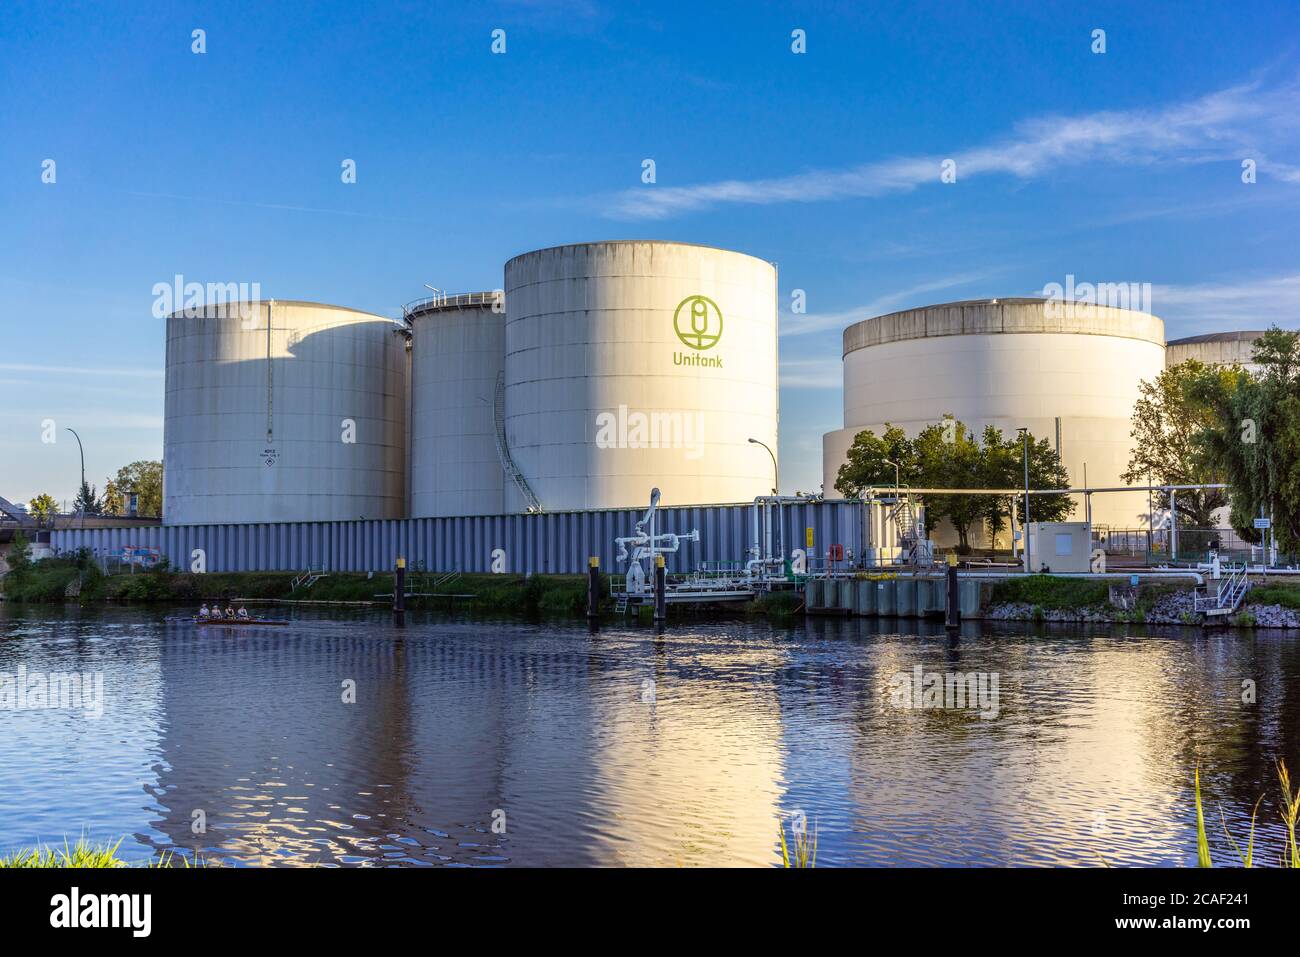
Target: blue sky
1116	167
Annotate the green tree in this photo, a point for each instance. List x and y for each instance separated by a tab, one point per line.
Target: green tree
1171	411
43	508
1045	471
867	461
999	467
145	479
1002	465
86	501
948	455
1255	437
19	555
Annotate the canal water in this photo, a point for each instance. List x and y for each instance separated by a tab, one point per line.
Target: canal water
343	740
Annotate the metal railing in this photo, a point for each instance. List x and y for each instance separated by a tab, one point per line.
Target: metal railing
444	301
1193	544
308	578
1231	591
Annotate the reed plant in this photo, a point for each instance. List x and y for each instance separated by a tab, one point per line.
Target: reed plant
86	854
1289	809
801	849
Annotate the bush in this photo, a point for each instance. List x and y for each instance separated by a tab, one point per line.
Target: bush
777	604
141	588
19	554
1277	593
1050	593
48	580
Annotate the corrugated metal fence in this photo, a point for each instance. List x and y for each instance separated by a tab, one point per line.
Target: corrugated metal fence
547	543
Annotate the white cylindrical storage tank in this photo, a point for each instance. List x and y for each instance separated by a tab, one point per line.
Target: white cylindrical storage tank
457	359
1215	348
634	365
1060	370
280	411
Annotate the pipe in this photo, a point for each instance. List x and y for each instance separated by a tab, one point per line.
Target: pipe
1099	576
1048	491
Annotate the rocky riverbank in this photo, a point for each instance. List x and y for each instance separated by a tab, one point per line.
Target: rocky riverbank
1170	608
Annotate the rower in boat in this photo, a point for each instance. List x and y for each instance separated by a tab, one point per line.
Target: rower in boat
242	614
203	612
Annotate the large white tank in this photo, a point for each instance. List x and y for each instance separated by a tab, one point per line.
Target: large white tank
1008	363
457	358
1215	348
282	411
633	365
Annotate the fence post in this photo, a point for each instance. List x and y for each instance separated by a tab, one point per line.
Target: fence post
661	598
399	588
593	588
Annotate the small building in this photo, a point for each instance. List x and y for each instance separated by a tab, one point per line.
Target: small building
1060	547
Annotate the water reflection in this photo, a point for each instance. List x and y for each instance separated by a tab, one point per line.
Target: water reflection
483	744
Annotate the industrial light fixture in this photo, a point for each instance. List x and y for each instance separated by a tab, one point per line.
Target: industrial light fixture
776	472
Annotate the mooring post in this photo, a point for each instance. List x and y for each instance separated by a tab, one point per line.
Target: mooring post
661	599
399	588
593	587
953	618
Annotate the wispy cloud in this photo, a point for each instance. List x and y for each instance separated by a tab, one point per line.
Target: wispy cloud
1252	303
802	325
81	370
1226	124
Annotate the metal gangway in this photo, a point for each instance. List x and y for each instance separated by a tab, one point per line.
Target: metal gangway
311	576
1228	598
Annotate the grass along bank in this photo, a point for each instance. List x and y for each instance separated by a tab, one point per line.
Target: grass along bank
84	854
79	579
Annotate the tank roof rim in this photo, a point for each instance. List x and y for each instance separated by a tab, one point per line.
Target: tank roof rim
1229	336
1137	334
633	242
180	313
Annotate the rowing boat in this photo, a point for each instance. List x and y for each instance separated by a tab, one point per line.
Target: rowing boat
236	621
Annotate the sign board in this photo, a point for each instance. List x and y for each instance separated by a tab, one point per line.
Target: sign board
1263	523
808	537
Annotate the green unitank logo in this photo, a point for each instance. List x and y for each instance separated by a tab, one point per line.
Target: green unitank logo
698	322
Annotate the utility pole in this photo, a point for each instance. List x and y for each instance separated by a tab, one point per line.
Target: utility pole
1024	443
83	476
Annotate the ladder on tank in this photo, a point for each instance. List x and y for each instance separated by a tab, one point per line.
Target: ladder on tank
531	502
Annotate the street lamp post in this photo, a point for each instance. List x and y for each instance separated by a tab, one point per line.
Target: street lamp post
776	472
83	475
1024	442
897	481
